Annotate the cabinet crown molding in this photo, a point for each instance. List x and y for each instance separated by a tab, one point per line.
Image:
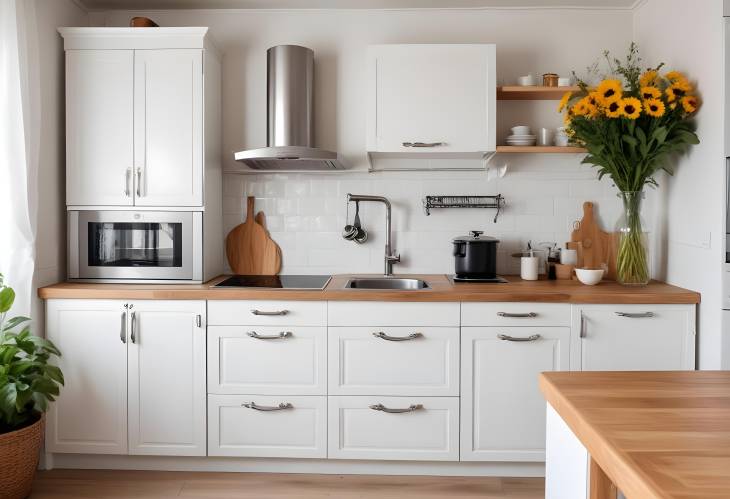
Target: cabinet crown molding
136	38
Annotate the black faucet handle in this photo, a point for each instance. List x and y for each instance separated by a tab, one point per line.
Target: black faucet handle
476	233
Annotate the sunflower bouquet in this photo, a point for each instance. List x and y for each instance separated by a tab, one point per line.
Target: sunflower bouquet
632	123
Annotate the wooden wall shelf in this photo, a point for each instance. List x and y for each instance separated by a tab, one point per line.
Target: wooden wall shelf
541	149
515	92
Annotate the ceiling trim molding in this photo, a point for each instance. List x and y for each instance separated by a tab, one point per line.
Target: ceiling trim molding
81	5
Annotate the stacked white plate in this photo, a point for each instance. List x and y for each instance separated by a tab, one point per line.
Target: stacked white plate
521	140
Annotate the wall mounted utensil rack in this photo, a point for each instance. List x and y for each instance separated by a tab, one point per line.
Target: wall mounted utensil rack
493	202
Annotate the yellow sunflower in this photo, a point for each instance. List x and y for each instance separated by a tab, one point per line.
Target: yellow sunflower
689	103
613	110
581	108
608	91
649	79
675	76
564	101
630	107
677	90
650	93
567	118
654	107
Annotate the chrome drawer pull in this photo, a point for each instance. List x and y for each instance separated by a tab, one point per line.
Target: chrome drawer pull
381	407
528	315
423	144
123	332
267	408
639	315
134	327
384	336
276	312
506	337
280	336
583	330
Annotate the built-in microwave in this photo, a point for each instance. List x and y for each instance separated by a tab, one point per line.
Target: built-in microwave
135	246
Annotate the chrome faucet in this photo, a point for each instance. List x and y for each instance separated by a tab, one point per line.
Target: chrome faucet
390	256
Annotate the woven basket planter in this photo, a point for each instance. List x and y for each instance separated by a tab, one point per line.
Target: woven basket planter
19	454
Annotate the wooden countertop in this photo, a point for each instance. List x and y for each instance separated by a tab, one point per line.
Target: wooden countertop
442	289
654	434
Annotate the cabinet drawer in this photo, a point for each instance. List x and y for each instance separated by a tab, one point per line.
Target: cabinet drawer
428	433
241	425
515	314
393	361
267	313
267	360
376	313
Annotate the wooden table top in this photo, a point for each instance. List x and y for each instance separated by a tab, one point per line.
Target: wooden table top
442	289
655	434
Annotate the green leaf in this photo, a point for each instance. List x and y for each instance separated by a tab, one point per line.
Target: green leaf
15	321
7	297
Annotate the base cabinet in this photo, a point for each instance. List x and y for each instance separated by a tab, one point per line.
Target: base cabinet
135	377
502	409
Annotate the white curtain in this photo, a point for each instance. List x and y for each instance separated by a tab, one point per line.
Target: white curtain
19	119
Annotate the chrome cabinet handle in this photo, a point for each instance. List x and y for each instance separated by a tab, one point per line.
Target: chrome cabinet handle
267	408
382	408
583	331
276	312
638	315
139	182
384	336
507	337
280	336
423	144
123	332
127	176
528	315
198	320
134	324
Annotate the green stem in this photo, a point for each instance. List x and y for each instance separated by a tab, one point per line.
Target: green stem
631	260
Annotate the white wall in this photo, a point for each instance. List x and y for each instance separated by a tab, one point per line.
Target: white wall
691	203
306	212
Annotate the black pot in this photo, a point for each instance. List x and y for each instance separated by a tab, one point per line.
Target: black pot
475	257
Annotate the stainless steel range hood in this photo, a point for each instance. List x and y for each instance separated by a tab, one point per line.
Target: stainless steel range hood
289	116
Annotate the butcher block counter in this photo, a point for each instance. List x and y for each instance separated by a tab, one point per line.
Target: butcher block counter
650	434
441	289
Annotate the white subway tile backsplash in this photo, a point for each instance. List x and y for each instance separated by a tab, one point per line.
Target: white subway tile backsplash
306	213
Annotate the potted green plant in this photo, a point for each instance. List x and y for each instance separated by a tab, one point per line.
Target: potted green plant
27	383
631	123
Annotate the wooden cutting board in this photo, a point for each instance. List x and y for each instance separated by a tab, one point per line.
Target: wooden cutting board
250	249
596	247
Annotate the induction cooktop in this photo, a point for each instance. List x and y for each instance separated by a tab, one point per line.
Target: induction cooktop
276	281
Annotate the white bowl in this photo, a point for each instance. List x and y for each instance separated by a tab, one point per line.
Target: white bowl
563	82
521	130
589	276
526	81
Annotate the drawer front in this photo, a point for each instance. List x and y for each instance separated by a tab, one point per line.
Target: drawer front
428	433
267	313
267	360
378	313
240	425
393	361
515	314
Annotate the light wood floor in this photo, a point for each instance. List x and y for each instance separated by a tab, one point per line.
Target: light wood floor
83	484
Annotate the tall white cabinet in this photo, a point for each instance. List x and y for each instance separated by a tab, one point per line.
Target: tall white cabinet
135	377
142	110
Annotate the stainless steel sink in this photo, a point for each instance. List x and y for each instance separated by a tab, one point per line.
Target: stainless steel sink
386	283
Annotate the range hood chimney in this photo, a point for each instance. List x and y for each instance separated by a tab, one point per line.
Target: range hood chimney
290	78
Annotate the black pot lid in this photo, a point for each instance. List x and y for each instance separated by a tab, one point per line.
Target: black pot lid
476	237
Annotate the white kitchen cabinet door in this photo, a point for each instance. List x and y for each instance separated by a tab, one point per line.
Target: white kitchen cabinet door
633	337
267	360
267	426
99	127
90	415
502	409
167	378
393	361
441	96
168	113
393	428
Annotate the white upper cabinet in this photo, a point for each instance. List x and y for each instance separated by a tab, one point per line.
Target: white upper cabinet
168	128
431	99
135	116
99	127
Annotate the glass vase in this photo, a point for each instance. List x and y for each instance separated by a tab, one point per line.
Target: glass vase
632	257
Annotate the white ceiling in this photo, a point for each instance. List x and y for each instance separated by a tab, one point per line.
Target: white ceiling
350	4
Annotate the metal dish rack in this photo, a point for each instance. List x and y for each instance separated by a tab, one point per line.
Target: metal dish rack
493	202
